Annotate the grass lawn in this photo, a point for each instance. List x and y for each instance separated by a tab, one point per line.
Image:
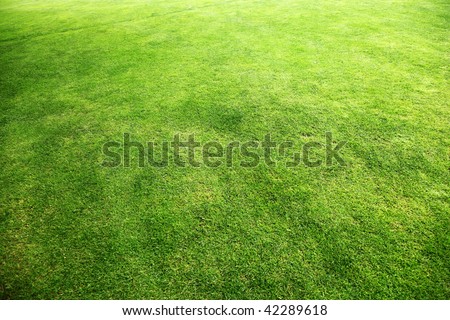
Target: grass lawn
76	74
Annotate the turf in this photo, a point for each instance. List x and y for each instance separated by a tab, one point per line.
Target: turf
76	74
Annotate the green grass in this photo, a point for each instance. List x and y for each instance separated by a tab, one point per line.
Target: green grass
76	74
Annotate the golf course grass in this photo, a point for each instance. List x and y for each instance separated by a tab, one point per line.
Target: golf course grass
77	74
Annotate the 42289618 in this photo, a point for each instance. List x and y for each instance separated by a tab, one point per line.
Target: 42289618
291	310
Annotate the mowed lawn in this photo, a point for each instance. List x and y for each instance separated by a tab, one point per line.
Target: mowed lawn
76	74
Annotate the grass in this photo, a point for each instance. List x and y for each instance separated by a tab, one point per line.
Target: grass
76	74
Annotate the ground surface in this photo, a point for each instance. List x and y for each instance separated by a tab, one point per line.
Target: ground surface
76	74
